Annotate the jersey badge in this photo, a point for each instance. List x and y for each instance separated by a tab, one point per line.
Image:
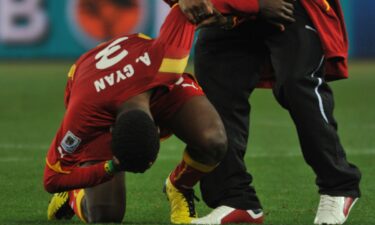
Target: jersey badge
70	142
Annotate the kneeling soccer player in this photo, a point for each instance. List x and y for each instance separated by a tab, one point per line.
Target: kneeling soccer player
120	98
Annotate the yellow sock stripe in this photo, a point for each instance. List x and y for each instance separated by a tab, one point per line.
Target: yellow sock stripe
79	198
169	65
197	165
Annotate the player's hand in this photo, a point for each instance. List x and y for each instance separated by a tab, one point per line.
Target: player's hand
116	164
138	165
171	2
197	10
216	19
277	12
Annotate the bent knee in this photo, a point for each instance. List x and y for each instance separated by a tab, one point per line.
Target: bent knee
215	144
49	184
49	187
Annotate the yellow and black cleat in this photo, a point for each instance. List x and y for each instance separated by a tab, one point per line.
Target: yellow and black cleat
182	204
58	207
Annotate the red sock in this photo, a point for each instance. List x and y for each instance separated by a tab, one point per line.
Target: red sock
75	200
188	172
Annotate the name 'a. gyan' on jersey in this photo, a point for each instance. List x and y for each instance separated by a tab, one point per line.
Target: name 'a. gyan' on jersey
112	55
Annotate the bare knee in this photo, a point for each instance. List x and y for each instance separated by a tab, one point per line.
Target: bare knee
105	213
216	143
213	145
106	202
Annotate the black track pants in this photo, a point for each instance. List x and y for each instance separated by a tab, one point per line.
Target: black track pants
227	66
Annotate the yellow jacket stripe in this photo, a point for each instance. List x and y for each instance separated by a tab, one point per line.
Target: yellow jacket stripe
169	65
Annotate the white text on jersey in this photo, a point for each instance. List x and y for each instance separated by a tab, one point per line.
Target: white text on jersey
114	78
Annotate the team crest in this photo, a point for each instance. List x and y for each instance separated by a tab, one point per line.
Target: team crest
70	142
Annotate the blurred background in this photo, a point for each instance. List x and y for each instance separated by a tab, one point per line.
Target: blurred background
64	29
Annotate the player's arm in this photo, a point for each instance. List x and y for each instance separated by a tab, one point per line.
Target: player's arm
195	10
176	38
177	31
239	6
275	11
58	180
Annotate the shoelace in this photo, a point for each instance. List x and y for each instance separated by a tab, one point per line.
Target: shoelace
190	197
64	211
328	204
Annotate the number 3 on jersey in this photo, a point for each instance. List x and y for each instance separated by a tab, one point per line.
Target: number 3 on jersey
111	55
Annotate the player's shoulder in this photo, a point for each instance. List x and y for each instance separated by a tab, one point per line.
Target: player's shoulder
130	40
124	40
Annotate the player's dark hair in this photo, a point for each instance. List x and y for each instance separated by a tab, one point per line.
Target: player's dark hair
135	141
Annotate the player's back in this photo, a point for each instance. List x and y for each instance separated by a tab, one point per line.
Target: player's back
109	74
99	82
116	70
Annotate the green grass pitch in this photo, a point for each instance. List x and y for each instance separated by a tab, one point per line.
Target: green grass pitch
31	107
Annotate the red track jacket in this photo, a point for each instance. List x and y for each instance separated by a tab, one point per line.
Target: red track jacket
327	18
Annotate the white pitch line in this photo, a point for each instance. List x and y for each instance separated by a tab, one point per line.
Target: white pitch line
23	146
164	157
285	151
15	159
298	153
250	155
279	152
289	124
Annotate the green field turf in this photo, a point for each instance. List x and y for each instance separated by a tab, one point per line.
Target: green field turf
31	107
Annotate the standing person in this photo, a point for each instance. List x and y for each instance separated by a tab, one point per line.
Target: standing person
304	55
117	97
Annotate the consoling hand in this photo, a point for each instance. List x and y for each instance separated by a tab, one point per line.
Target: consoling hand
196	10
277	12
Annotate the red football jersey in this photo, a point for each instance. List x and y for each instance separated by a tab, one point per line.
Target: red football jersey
108	75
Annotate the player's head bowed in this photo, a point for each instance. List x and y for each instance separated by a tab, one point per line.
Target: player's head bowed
135	141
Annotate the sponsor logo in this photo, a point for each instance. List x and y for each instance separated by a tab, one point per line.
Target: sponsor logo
181	82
